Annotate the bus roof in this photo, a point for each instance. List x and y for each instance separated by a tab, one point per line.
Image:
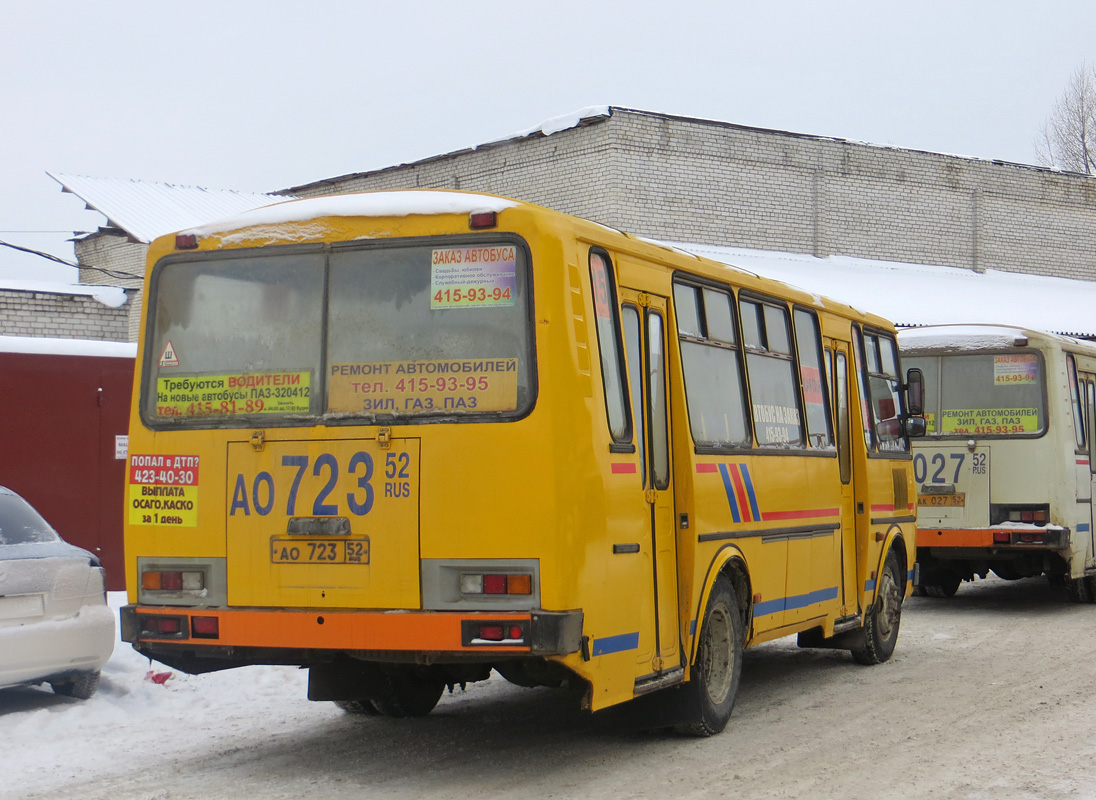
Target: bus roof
980	337
283	221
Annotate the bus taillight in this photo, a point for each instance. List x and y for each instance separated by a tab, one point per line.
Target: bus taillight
493	583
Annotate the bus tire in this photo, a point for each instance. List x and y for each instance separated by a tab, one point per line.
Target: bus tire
1082	590
882	621
357	707
718	667
406	693
945	585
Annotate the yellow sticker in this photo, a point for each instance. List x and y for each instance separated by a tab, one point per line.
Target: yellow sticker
163	490
424	387
229	395
983	421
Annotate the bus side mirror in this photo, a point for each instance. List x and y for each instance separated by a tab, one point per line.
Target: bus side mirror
915	427
915	393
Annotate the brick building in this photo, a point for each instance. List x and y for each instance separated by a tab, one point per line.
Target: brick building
698	181
694	180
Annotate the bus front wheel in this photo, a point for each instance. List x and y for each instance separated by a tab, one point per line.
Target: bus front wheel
881	625
718	667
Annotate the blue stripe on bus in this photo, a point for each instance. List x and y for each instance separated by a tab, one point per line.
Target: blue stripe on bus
797	601
750	492
730	492
692	627
869	585
1082	527
909	576
616	644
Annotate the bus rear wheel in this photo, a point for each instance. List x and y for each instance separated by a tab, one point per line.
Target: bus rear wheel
406	692
881	624
718	667
945	584
1082	590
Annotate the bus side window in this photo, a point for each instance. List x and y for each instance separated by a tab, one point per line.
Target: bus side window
841	401
714	386
610	347
812	376
1075	399
1090	417
880	382
770	367
635	377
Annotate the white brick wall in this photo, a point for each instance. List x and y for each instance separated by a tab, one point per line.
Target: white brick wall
61	316
716	183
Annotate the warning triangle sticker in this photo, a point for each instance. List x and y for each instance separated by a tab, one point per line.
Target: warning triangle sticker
168	357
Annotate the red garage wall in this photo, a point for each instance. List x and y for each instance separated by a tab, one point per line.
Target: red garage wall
59	419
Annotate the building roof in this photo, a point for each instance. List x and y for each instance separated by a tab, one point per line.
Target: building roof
591	115
912	295
145	210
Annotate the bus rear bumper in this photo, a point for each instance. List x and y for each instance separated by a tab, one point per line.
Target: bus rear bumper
299	636
996	538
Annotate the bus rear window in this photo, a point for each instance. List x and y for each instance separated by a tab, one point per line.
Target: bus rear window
414	331
983	394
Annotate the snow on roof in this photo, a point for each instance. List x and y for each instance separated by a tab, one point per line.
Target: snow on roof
368	204
912	295
112	296
66	347
145	209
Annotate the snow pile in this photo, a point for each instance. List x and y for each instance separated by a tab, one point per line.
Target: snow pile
370	204
924	294
66	347
142	714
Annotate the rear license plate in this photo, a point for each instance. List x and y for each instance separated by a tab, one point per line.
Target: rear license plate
22	606
938	500
319	551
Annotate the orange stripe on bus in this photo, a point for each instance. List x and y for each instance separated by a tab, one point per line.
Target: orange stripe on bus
957	537
340	630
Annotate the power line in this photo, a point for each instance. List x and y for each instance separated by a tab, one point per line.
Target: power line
110	273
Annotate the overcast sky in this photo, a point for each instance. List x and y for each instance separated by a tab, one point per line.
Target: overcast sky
263	95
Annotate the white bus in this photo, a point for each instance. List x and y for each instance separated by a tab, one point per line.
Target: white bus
1004	474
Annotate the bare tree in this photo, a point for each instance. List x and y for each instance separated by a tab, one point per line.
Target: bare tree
1068	138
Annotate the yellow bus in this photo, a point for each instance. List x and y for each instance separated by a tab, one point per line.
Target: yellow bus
407	438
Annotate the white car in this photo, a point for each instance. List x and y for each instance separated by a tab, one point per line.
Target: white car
55	625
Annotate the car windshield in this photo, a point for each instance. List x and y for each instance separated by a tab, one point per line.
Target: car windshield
21	524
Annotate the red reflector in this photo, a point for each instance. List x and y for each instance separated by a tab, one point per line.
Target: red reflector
164	625
515	632
205	626
171	581
481	219
1027	516
1031	538
492	633
1000	537
186	241
494	584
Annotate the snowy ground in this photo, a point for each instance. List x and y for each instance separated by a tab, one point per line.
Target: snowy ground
989	695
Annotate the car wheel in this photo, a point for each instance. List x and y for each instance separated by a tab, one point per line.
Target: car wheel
81	686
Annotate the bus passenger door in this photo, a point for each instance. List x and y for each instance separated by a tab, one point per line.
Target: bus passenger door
644	320
839	381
